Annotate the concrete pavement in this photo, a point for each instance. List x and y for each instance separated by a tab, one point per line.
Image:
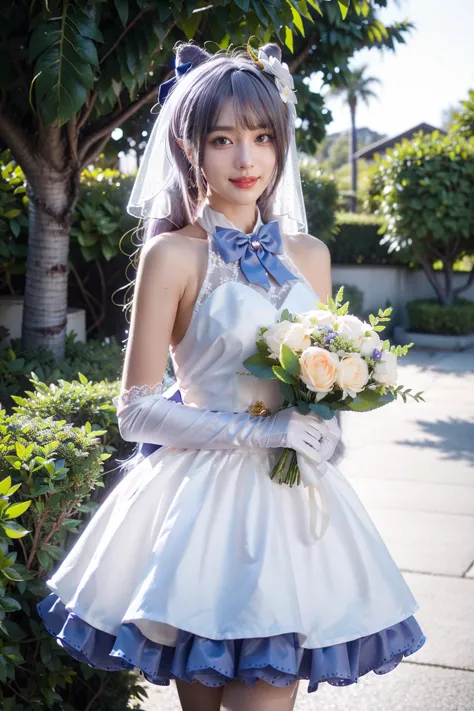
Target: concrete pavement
413	467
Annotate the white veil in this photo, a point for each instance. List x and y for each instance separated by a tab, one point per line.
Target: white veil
156	192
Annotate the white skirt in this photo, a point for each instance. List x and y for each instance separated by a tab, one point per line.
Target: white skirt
205	541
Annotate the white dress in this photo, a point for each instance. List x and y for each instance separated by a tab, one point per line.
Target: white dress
199	566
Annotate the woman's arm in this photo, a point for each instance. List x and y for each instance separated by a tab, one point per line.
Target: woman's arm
160	285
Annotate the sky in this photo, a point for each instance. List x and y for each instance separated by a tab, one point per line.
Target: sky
428	74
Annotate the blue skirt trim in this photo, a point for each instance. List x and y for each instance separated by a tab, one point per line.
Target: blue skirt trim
278	660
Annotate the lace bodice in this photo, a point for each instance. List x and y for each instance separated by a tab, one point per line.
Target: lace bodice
217	274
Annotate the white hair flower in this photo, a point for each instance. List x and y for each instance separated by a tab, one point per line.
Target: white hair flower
283	79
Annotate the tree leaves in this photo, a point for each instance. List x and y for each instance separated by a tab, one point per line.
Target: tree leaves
65	56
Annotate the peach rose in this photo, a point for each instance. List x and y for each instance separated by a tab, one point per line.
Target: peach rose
353	374
319	370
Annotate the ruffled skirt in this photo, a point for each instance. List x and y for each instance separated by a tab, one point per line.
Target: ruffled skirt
198	567
278	660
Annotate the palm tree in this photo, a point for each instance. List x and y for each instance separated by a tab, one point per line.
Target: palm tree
356	86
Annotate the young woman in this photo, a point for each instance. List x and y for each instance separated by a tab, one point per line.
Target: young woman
198	567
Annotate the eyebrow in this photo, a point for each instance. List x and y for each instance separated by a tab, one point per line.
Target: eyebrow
234	128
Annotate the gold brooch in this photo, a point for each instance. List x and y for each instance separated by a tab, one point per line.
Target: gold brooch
259	409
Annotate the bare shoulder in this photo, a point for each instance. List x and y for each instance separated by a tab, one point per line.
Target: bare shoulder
307	246
313	258
175	254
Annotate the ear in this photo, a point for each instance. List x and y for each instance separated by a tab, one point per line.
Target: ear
180	143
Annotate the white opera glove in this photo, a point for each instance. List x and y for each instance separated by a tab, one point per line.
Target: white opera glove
156	420
330	436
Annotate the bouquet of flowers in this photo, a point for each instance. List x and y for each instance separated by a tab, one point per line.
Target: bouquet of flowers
327	360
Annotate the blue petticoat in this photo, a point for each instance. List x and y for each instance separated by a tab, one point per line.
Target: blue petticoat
278	660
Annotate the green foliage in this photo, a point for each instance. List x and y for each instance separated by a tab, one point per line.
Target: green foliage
320	196
424	191
463	120
100	219
354	295
13	221
357	241
69	45
97	360
53	468
429	316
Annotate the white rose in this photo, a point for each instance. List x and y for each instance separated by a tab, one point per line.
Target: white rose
318	317
353	374
319	369
369	343
353	328
385	370
292	335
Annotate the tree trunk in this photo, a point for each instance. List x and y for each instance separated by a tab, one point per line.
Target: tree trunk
353	160
52	191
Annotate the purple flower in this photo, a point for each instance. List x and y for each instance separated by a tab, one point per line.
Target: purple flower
376	355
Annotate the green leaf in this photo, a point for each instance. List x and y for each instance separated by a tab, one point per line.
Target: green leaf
344	7
190	25
12	574
303	407
322	410
281	374
9	604
243	4
290	361
64	56
260	366
17	509
297	21
360	404
13	529
122	9
5	484
288	38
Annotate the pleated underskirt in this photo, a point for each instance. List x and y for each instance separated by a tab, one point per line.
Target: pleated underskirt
278	660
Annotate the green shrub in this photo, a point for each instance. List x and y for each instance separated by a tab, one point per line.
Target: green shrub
320	197
55	466
97	359
429	316
424	190
358	242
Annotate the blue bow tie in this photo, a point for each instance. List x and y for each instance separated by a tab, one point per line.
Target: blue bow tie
256	252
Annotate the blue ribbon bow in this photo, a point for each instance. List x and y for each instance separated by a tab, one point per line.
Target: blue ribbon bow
165	88
256	252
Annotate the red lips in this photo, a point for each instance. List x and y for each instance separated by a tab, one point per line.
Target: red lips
248	182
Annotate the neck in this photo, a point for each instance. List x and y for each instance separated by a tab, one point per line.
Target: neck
243	217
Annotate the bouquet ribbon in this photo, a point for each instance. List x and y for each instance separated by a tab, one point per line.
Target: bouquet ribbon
319	515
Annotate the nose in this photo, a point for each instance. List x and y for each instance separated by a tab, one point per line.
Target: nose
244	159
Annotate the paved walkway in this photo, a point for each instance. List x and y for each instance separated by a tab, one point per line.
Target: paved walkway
413	467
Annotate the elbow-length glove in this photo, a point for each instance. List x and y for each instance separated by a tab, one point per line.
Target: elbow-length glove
156	420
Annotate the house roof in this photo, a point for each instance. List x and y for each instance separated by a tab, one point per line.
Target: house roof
382	145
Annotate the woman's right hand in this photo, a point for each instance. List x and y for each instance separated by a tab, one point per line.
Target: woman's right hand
303	433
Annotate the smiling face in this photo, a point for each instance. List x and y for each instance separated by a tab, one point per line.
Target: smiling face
239	161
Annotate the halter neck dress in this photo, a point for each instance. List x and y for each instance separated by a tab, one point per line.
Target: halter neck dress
198	566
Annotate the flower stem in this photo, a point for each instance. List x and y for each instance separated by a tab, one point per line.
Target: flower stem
280	466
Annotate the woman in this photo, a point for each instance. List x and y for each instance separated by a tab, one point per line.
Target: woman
198	566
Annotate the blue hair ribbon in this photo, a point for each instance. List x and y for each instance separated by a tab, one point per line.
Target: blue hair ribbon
165	88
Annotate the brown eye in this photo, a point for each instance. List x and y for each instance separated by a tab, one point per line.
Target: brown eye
220	138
